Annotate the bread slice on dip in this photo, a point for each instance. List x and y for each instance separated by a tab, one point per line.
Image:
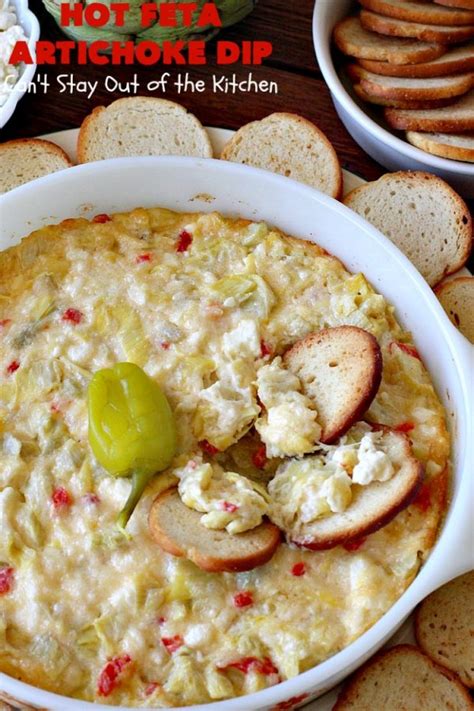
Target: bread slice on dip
177	530
26	159
340	370
372	505
403	678
141	126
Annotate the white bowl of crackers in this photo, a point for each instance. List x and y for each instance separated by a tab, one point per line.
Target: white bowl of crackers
405	90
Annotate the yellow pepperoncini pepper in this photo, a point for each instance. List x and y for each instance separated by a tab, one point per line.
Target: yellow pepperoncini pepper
131	428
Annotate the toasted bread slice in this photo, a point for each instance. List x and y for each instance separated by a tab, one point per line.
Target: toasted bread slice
463	4
290	145
457	118
457	299
356	41
178	530
444	34
444	626
445	145
372	506
412	105
404	89
420	11
340	370
141	126
403	679
26	159
456	59
422	215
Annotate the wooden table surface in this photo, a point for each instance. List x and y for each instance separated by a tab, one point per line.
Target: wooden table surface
301	87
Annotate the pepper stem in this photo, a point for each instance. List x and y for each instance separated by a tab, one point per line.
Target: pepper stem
139	481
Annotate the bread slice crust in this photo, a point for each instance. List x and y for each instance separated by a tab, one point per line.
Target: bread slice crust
294	134
444	627
405	89
394	669
253	548
462	4
406	104
459	117
433	264
423	12
456	59
457	299
443	34
359	520
32	155
321	359
445	145
97	140
355	40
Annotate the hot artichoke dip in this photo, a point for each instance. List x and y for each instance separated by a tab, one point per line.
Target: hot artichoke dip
205	306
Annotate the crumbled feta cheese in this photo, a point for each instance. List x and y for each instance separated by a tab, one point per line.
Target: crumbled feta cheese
374	464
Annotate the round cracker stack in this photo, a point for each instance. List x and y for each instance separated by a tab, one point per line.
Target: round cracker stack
410	60
444	627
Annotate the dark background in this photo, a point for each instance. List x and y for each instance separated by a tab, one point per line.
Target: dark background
285	23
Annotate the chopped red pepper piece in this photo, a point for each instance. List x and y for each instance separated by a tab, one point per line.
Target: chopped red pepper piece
265	349
61	498
184	241
101	218
165	345
229	507
151	688
143	258
423	498
406	348
243	599
355	544
4	322
7	578
14	365
161	620
172	644
298	569
72	315
247	664
404	427
259	457
208	448
110	675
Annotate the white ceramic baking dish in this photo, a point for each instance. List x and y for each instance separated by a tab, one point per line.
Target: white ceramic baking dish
364	124
32	30
188	184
